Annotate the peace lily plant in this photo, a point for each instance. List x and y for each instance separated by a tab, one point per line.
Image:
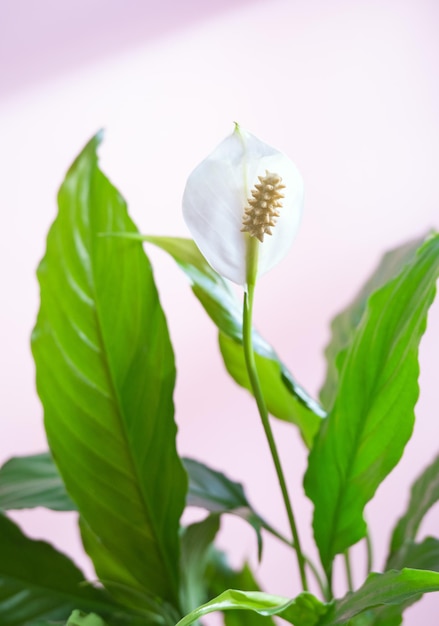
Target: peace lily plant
105	375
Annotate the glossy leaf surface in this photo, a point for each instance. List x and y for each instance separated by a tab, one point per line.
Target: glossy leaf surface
37	582
31	481
105	376
222	577
287	400
390	588
305	610
344	325
364	436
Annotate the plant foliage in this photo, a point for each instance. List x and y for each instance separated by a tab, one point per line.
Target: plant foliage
105	375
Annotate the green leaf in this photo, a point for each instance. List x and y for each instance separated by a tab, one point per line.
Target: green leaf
423	555
424	494
78	618
390	588
105	376
196	545
39	583
215	492
34	480
30	481
305	610
280	392
344	325
364	436
48	623
222	577
285	398
45	623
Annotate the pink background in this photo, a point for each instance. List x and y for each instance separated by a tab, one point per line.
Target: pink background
348	89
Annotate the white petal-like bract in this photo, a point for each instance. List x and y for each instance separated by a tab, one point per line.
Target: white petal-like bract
217	194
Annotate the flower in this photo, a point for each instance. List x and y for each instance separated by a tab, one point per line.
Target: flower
244	194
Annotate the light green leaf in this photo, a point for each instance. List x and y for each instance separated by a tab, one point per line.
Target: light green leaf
285	398
344	325
38	583
215	492
364	436
105	376
424	494
389	589
222	577
281	399
305	610
196	545
30	481
78	618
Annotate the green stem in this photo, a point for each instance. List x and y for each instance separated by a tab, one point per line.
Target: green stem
369	548
329	579
263	412
317	577
311	566
347	562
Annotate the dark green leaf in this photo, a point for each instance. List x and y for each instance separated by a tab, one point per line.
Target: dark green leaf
424	494
305	610
384	616
286	399
344	325
391	588
45	623
196	545
364	436
39	583
30	481
215	492
105	375
423	555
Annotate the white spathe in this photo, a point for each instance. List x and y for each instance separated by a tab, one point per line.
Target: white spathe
216	196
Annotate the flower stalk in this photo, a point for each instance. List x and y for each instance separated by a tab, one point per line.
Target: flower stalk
229	219
263	412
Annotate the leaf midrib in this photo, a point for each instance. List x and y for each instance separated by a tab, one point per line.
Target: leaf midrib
354	449
113	388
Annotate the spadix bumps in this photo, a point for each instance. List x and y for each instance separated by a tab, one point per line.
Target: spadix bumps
244	189
263	207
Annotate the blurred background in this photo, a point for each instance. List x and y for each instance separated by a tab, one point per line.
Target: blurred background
348	89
